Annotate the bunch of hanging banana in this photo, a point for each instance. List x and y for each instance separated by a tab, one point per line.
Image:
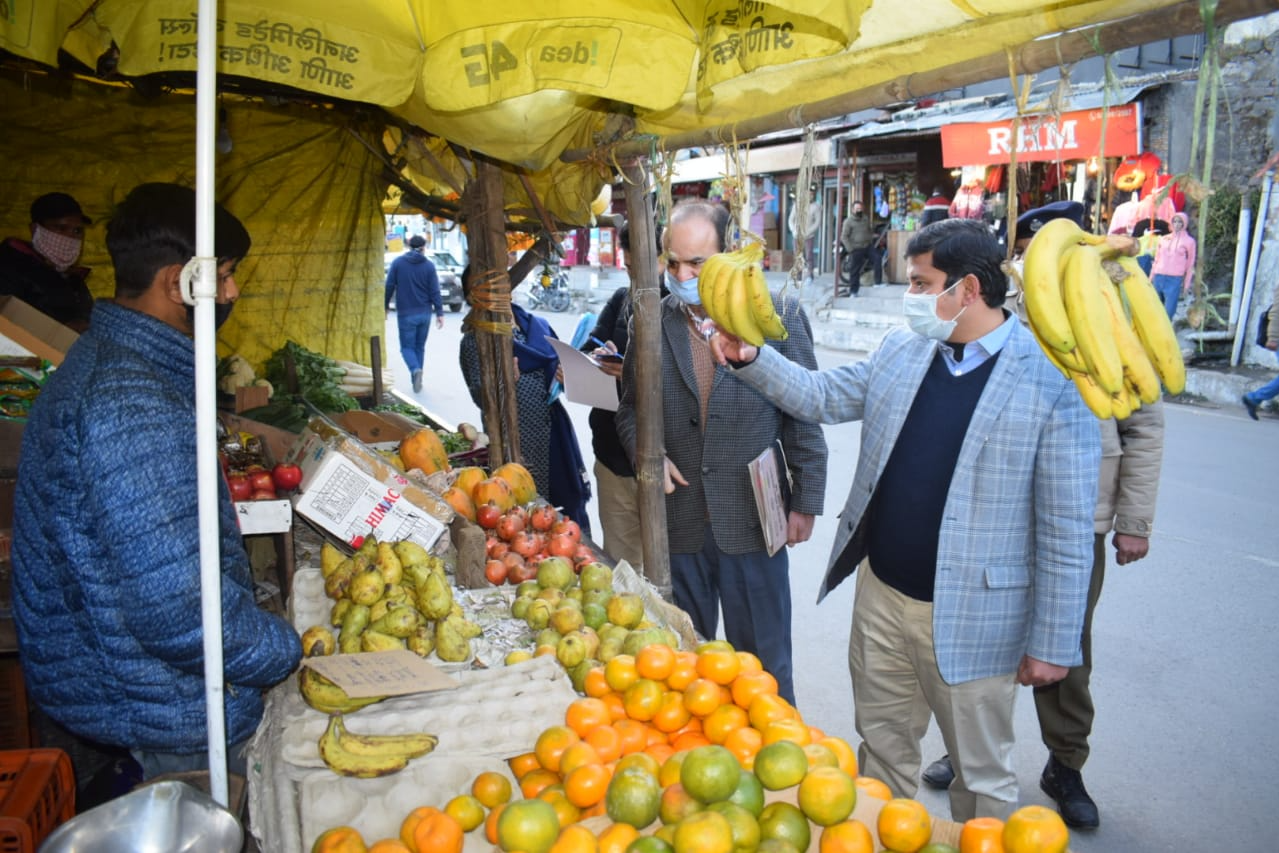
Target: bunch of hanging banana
1099	320
370	756
735	295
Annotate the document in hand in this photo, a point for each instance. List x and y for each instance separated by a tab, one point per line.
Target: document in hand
584	382
770	484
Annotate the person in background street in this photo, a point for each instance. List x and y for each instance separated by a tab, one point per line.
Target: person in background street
1125	216
1174	266
1147	233
970	516
936	208
812	224
106	545
548	443
43	272
616	489
714	426
1270	390
969	201
413	284
857	239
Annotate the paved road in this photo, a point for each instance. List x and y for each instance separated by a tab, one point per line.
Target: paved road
1184	676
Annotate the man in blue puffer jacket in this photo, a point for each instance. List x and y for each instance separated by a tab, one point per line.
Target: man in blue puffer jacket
106	577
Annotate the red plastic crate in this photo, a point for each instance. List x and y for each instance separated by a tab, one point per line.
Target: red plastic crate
37	792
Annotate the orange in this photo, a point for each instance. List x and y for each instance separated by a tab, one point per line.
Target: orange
768	707
784	821
340	839
982	835
620	672
749	794
786	729
595	684
749	662
847	757
704	832
676	804
550	747
575	839
389	845
490	822
748	685
689	740
710	773
827	795
565	812
640	761
820	755
683	672
672	715
654	735
617	838
744	743
438	833
642	699
576	755
669	774
529	826
780	765
583	715
1035	828
633	797
655	661
607	743
719	723
850	836
585	786
744	825
616	709
491	788
409	825
660	751
904	825
719	665
815	734
633	735
466	810
701	697
523	763
534	781
872	787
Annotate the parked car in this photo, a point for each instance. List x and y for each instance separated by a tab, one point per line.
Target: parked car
447	268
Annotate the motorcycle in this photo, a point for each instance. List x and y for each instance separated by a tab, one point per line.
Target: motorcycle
550	291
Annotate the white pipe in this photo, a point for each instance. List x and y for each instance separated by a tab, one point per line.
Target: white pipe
1258	233
204	290
1241	257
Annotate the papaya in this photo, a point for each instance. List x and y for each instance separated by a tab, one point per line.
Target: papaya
520	481
461	502
495	490
466	478
423	449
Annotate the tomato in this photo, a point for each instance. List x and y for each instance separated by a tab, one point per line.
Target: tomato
239	486
286	476
262	495
260	481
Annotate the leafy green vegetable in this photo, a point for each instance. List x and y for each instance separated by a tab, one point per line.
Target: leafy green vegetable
413	413
454	442
318	377
282	412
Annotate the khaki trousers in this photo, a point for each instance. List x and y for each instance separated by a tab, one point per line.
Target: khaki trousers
897	687
619	515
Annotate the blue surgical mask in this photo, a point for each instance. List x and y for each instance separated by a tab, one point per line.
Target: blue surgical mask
685	290
920	310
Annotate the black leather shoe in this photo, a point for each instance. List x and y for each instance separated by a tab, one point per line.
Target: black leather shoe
939	774
1250	406
417	380
1066	786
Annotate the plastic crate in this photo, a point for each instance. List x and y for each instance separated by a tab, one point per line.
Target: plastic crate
37	792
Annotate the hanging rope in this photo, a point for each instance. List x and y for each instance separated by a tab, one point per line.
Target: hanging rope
490	297
803	198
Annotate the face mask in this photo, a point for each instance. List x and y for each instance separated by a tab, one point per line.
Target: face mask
685	290
61	251
920	310
221	311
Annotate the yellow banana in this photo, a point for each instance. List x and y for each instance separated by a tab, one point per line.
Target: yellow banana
1089	318
717	287
1137	366
409	745
1121	404
707	278
762	304
1150	320
325	696
741	312
1095	398
1041	282
347	763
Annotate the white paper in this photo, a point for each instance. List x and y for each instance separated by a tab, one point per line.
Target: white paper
584	382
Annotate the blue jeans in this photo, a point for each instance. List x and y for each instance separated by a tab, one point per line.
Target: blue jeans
1145	262
1266	392
413	333
158	763
753	590
1169	287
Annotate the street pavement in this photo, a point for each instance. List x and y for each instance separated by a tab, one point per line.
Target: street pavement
1184	676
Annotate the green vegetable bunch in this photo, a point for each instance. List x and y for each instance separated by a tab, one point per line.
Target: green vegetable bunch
318	377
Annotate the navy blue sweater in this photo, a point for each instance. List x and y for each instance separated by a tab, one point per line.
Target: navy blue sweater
414	284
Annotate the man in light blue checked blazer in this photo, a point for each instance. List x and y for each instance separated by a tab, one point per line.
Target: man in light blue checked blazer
972	508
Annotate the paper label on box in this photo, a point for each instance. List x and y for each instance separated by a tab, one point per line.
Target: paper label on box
394	673
258	517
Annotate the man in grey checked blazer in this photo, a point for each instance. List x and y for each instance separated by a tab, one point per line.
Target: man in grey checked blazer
972	507
714	426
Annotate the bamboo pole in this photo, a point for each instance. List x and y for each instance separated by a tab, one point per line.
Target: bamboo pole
1156	25
645	348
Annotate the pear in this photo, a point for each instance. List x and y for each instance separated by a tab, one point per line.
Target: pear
318	640
378	609
435	597
339	610
376	641
389	564
355	620
367	587
330	559
450	645
368	548
422	642
410	553
336	584
398	621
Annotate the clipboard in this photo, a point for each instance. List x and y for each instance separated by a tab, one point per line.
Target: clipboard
771	486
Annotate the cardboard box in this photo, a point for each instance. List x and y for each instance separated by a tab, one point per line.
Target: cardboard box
258	517
251	397
376	427
26	331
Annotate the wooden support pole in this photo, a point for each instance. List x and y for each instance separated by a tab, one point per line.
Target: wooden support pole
646	348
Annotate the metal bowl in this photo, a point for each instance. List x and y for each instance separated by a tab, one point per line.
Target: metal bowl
167	817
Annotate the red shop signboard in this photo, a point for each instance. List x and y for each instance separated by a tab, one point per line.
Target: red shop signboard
1070	136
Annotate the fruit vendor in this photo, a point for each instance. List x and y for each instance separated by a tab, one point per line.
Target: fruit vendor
106	565
43	272
971	515
713	426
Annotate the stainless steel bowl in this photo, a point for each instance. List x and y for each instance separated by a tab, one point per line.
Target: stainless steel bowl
167	817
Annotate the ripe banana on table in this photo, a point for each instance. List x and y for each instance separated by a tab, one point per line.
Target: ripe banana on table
325	696
735	295
370	756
